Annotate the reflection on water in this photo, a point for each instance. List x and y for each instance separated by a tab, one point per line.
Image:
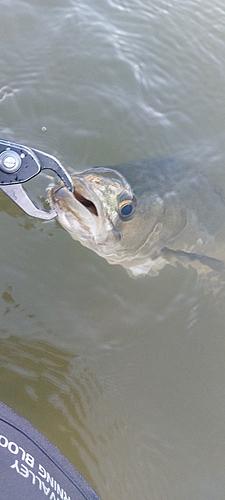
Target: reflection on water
125	376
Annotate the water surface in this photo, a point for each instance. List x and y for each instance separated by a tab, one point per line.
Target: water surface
125	376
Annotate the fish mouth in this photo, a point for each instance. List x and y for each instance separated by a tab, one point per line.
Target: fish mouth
85	201
81	194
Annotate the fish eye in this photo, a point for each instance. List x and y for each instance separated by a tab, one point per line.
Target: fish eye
127	208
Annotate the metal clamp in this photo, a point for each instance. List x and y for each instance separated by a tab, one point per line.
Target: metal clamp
18	164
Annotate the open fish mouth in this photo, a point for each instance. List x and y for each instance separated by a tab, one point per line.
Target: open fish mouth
81	213
86	202
81	194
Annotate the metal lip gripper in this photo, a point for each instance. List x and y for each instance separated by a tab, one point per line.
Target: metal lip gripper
19	164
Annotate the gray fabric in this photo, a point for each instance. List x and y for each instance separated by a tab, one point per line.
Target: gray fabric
32	468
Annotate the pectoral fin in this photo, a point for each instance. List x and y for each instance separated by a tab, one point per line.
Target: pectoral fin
187	257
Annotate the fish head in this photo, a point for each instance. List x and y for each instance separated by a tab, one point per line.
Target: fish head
108	215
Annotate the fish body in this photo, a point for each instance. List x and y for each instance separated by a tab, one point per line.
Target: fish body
145	215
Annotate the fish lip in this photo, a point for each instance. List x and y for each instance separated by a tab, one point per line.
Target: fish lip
83	196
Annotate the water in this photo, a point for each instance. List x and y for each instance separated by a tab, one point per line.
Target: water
125	376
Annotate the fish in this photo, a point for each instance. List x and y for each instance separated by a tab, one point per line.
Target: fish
145	215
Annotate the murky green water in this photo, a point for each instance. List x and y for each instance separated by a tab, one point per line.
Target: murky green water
126	377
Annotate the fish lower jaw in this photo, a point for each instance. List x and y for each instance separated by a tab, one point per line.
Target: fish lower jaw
87	233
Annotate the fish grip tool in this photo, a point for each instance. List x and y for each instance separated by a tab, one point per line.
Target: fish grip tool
19	164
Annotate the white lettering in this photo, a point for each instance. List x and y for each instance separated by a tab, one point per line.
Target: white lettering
50	480
13	448
24	471
3	441
41	471
42	486
55	486
15	466
39	481
66	497
45	489
33	476
29	460
60	491
23	453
